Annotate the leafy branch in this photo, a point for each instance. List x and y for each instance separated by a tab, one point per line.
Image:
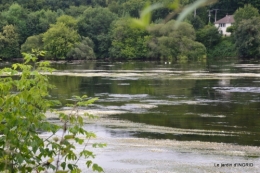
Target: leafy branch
24	100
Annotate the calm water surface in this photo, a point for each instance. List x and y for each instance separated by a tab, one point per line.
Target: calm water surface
170	95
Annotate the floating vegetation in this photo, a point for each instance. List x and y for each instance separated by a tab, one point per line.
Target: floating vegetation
139	127
212	116
167	74
238	89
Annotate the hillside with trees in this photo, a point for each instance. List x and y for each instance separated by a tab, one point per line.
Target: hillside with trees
101	29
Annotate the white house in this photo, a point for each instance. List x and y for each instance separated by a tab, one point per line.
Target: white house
224	23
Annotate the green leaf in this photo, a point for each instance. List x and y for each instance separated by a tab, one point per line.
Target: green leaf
70	166
100	145
145	16
69	136
50	160
60	171
77	170
87	154
95	167
14	66
19	158
79	141
84	97
188	9
89	163
63	165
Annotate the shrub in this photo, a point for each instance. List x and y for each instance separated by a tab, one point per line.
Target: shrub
23	103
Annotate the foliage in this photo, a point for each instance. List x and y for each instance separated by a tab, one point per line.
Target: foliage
34	17
16	15
145	16
39	22
33	42
128	42
247	12
75	11
69	21
247	38
196	22
23	103
133	8
225	48
95	24
60	39
231	29
170	43
230	6
209	36
82	50
9	46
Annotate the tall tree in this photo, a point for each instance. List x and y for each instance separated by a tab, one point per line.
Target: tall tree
247	38
247	12
33	42
95	24
128	42
9	46
60	39
170	43
83	50
209	36
39	21
16	15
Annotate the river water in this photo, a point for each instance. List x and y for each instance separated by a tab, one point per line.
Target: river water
196	101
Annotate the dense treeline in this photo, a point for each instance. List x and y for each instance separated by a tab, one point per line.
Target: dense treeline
77	29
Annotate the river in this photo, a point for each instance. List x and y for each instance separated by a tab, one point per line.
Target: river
210	102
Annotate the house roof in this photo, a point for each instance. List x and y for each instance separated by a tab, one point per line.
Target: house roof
227	19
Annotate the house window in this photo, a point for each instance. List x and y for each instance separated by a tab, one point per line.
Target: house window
222	24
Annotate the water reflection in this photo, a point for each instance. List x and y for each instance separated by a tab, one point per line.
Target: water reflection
223	104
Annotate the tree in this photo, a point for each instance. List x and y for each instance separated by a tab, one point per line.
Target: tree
196	22
82	50
225	48
230	6
76	11
60	39
39	22
209	36
69	21
128	42
95	24
247	12
247	38
170	43
33	42
24	101
9	46
16	15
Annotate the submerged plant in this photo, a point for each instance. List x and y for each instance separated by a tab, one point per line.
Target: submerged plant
24	100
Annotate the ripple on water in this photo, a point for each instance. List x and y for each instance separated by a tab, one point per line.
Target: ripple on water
180	102
123	84
212	116
238	89
131	108
129	95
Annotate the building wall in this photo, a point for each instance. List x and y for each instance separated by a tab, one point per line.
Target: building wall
223	29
